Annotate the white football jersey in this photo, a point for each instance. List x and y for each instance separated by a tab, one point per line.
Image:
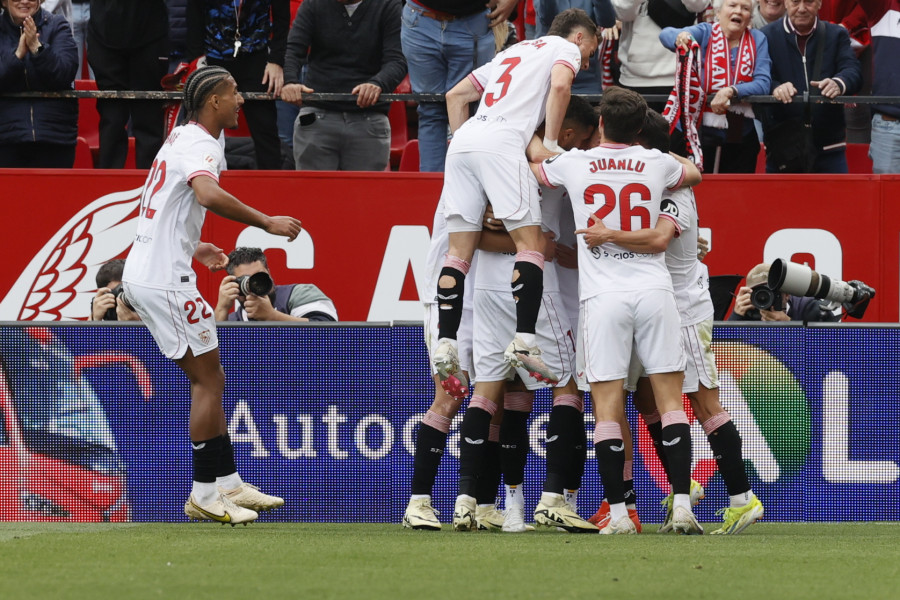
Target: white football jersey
690	277
514	87
623	186
170	220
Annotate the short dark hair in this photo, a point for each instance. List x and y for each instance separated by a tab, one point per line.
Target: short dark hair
581	113
568	20
655	132
245	256
111	271
623	112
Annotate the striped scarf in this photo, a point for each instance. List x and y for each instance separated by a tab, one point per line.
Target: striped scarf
717	72
686	101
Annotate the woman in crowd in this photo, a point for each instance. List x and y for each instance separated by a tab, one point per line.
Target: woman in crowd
37	53
733	63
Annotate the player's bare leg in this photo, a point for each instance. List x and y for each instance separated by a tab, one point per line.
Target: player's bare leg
212	451
473	437
676	441
431	441
609	447
725	442
450	292
528	288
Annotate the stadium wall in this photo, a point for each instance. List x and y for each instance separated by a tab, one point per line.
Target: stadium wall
366	234
94	423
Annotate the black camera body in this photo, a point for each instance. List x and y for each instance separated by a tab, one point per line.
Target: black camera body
765	298
110	314
258	284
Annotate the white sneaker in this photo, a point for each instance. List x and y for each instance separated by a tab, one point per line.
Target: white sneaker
249	496
445	361
421	515
514	522
624	526
488	518
464	513
521	356
552	511
684	522
222	510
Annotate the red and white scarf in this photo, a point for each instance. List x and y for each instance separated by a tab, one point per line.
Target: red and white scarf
686	101
718	73
608	52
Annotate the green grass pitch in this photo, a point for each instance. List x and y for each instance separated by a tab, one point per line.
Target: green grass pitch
769	561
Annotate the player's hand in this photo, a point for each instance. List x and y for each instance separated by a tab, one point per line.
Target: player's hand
288	227
490	222
211	256
259	308
293	93
742	302
549	246
595	235
500	10
785	92
566	256
103	301
702	247
368	94
611	33
273	76
123	313
829	87
773	315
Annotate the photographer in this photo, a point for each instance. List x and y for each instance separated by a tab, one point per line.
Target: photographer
791	308
293	302
107	304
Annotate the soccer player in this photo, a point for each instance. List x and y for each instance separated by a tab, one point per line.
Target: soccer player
517	90
626	297
161	286
690	280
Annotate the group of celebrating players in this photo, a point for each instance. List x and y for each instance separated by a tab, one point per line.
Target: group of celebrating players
528	177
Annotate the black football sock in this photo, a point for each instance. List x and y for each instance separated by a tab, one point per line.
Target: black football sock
725	442
473	439
206	457
655	431
676	441
610	455
489	478
514	446
430	445
450	299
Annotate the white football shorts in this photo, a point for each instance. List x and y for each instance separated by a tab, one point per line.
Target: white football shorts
613	324
177	319
471	179
701	361
495	327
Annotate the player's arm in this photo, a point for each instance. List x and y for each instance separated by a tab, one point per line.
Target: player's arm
536	152
645	241
692	175
214	198
458	99
561	77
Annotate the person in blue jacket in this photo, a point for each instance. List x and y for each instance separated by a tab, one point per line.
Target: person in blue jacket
37	53
734	63
793	45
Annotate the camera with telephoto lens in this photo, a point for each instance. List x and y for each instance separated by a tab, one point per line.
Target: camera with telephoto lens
800	280
765	298
110	314
258	284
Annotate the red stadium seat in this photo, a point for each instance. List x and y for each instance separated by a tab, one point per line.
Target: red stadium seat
761	159
858	160
83	157
399	131
88	117
129	158
409	160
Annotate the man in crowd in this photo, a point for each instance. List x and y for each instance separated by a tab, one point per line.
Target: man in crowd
791	308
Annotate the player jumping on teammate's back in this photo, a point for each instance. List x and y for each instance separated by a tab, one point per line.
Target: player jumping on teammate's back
161	286
627	302
484	151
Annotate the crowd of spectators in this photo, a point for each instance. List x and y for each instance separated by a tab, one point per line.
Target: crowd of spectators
289	48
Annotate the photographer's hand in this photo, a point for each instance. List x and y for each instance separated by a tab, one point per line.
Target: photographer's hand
259	308
123	313
228	293
773	315
103	301
742	302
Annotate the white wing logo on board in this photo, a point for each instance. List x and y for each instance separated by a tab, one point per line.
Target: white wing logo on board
59	281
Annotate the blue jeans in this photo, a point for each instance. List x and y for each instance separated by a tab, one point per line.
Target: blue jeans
81	15
885	147
439	54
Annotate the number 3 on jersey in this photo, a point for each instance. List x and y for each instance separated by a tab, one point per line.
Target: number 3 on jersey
626	210
505	79
157	175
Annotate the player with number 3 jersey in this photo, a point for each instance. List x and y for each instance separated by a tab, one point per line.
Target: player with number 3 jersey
161	286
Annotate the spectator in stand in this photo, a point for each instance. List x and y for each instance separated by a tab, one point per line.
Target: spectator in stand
794	42
177	32
128	50
349	48
287	112
531	7
248	39
37	53
646	66
767	11
78	14
734	63
882	16
587	81
443	41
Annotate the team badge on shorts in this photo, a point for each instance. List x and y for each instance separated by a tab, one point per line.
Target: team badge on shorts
204	336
